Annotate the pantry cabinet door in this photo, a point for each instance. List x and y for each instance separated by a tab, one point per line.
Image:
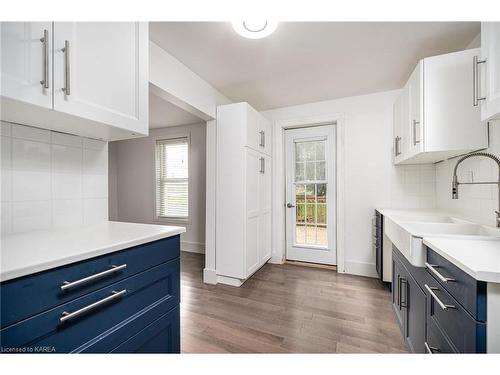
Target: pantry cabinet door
490	52
101	72
265	192
253	168
26	63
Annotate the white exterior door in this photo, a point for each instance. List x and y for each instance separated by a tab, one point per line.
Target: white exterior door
27	62
100	72
311	194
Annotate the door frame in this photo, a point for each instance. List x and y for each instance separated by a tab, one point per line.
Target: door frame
318	255
279	182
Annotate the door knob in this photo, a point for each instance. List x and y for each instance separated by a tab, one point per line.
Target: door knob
289	205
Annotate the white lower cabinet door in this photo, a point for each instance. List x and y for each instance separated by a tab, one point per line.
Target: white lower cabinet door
253	168
265	209
101	72
26	63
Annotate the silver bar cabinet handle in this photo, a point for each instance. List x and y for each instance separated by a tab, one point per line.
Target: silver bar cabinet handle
67	73
45	40
262	165
68	285
415	140
440	303
475	81
432	268
430	349
66	316
262	139
397	145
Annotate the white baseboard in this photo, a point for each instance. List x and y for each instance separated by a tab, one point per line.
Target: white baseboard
230	281
360	269
193	247
276	260
209	276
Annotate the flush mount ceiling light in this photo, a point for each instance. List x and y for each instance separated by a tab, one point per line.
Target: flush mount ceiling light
254	29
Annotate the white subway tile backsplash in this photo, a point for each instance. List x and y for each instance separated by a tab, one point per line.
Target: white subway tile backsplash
30	133
66	186
29	155
43	182
6	176
5	129
6	218
95	210
66	159
30	186
6	152
94	144
95	186
413	186
66	140
28	216
67	213
477	202
95	161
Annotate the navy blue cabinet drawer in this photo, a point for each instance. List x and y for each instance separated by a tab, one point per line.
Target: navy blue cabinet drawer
469	292
457	325
102	312
436	342
161	336
30	295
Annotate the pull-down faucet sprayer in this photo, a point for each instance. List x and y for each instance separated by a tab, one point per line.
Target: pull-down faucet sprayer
455	183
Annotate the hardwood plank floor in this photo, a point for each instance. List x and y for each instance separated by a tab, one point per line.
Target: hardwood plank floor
286	309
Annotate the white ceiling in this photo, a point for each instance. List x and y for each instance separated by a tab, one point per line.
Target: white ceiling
163	114
303	62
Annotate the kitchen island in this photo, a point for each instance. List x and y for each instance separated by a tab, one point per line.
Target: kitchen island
107	287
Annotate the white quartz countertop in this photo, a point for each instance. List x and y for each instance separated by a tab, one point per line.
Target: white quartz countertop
479	258
476	254
31	252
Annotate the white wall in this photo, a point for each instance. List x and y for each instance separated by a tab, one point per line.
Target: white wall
51	180
477	202
132	162
173	81
371	180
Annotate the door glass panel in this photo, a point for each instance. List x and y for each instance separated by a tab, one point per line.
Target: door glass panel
310	193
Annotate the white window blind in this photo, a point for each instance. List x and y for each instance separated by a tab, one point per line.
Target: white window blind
172	178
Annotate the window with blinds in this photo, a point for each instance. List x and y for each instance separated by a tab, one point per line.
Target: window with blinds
172	182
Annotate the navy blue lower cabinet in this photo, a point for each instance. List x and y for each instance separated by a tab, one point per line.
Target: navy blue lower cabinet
101	317
415	315
409	304
397	292
161	336
456	308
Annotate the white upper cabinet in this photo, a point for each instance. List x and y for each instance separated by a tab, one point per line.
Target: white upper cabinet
435	116
415	111
258	132
26	62
488	67
103	76
94	77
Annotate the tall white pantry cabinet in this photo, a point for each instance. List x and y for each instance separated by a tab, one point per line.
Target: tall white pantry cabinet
243	198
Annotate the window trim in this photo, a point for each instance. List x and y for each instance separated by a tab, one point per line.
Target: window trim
172	219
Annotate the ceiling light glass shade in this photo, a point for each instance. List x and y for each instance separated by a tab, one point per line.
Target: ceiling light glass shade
254	29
